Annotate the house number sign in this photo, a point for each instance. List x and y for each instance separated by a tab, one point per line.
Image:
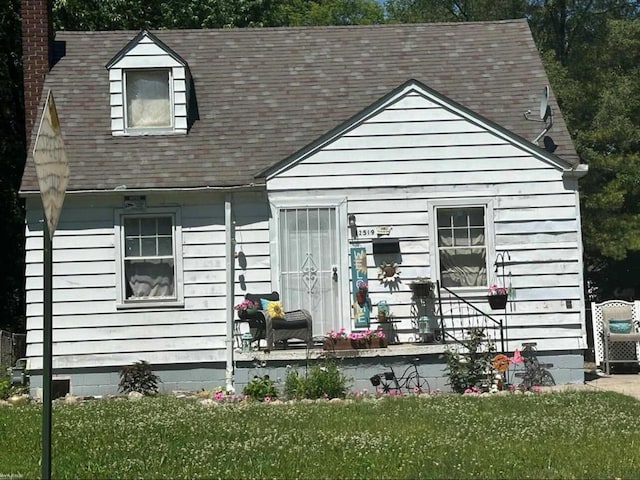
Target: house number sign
372	232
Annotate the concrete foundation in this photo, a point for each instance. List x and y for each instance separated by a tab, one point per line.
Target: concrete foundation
360	366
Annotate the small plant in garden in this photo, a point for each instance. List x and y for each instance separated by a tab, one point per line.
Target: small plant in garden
6	389
470	368
138	377
321	381
262	389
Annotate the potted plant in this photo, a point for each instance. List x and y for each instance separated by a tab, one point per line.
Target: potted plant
362	292
336	340
384	314
368	339
497	297
246	308
422	287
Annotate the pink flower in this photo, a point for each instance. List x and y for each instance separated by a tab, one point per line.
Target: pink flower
536	388
267	399
218	396
517	358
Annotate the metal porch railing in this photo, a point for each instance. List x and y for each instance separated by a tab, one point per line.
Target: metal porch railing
457	316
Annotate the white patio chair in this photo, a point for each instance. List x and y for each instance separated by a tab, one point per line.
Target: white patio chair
619	325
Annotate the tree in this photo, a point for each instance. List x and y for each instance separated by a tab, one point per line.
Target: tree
610	144
12	159
163	14
334	12
412	11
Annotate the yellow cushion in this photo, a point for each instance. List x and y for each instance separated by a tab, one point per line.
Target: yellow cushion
275	310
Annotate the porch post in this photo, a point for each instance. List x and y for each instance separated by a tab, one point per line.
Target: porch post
230	276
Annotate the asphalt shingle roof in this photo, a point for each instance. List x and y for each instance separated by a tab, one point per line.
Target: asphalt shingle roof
265	93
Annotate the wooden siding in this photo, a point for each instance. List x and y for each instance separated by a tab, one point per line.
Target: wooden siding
400	161
148	55
89	329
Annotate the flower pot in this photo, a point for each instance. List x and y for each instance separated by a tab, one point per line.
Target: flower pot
247	313
422	289
497	302
337	344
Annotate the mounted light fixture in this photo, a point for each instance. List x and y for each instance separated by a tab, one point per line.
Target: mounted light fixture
353	228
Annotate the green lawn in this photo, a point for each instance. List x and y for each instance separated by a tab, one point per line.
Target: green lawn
560	435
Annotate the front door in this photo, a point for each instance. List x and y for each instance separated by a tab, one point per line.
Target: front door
309	264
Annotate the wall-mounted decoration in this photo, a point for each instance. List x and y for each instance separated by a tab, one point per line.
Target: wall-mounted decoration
388	273
359	285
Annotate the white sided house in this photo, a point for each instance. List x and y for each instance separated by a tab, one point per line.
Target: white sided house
207	164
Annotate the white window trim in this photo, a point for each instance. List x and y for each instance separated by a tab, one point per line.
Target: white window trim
487	203
121	301
148	130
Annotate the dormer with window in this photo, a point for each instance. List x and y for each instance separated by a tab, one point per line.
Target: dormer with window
149	89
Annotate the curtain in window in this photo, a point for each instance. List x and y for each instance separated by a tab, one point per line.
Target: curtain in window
149	279
462	247
148	99
149	266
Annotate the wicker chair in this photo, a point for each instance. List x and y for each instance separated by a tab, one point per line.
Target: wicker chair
618	325
295	324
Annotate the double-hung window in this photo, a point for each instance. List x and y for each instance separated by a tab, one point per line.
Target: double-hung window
462	245
148	99
150	264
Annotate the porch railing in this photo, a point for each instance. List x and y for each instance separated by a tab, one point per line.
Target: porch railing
12	347
457	315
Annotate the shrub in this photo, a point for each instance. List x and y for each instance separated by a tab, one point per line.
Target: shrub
261	389
7	390
322	381
138	377
470	368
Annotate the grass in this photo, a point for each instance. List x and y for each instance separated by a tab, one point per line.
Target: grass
560	435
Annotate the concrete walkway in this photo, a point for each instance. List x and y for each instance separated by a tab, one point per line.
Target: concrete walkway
625	383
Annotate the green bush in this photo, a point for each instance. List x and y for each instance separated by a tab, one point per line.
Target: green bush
321	381
260	388
138	377
7	390
470	367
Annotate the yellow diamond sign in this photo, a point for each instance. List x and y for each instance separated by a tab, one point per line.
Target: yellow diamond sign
52	166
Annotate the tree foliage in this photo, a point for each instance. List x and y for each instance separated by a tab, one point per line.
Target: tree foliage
12	158
412	11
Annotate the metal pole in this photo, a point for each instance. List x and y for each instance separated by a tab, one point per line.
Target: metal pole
46	355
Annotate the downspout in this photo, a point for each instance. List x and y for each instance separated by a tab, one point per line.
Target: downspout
229	254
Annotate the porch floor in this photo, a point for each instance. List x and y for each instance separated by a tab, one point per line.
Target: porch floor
301	353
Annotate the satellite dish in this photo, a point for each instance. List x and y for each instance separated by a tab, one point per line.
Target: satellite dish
545	110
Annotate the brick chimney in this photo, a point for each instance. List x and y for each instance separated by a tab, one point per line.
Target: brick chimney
37	55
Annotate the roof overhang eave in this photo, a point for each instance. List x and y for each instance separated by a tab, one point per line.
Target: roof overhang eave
207	188
576	172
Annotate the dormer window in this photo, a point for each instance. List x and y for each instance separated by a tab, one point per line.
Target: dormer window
149	89
148	99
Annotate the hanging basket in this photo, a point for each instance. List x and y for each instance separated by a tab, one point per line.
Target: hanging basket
497	302
422	289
